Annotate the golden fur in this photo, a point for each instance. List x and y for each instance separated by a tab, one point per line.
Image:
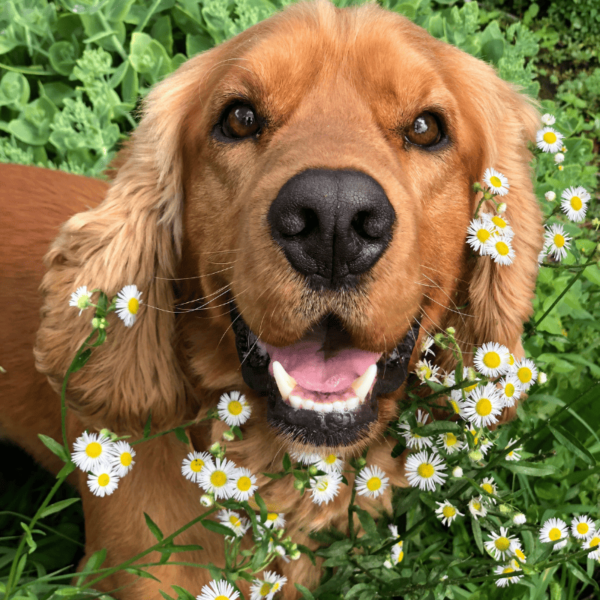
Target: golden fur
184	220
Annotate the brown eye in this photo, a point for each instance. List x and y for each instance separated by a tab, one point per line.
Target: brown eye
240	122
425	130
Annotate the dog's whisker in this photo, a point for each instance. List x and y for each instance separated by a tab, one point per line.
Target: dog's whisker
194	277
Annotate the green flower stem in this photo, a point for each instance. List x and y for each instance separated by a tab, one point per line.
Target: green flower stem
147	16
156	548
161	433
351	533
50	529
113	37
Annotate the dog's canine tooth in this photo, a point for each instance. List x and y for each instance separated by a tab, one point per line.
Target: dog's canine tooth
308	404
296	401
361	385
352	403
339	406
285	382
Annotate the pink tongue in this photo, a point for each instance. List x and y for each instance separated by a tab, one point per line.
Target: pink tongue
305	362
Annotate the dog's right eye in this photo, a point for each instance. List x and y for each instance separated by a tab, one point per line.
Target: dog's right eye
239	122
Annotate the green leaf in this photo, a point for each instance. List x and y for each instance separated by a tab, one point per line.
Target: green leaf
306	593
216	527
262	506
181	435
93	563
62	56
529	468
79	361
14	90
149	57
165	595
438	427
367	522
570	442
477	535
54	447
183	594
58	506
141	573
66	470
287	462
33	124
154	528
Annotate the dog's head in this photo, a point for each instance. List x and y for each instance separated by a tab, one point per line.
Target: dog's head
294	206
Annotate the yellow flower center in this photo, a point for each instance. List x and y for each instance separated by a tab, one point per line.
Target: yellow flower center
272	516
502	544
196	465
235	521
576	203
218	479
126	459
582	528
559	240
499	222
524	374
470	388
520	554
133	306
450	439
244	483
476	505
502	248
82	301
449	511
594	542
330	460
455	406
235	408
511	453
511	360
322	485
491	360
483	235
483	407
265	588
488	488
93	449
495	181
400	557
426	470
508	570
509	390
554	534
373	484
221	597
550	137
275	586
103	480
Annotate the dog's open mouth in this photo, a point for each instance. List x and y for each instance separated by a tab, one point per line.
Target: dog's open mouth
321	390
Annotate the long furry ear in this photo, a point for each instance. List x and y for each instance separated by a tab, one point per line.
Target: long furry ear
133	237
499	298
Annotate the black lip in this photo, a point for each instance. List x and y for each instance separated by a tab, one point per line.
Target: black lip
307	426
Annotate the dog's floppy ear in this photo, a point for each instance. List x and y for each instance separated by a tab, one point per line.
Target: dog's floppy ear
133	237
499	298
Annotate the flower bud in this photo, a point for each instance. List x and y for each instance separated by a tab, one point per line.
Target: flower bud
548	119
450	331
361	462
457	472
519	519
559	157
295	555
313	470
387	564
95	323
440	340
471	374
542	378
228	436
207	500
550	196
501	208
504	509
215	448
476	455
299	484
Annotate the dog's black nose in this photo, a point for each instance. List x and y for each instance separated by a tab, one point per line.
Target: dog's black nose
332	225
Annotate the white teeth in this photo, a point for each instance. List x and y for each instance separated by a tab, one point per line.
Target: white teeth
327	407
319	407
338	406
308	404
361	385
296	401
285	382
352	403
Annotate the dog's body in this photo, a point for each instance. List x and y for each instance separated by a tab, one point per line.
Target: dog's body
199	217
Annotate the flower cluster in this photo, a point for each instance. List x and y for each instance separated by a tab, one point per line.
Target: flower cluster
555	531
126	303
106	461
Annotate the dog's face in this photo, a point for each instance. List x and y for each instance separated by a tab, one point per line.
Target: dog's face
324	161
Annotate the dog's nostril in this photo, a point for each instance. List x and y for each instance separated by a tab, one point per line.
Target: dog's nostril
301	222
368	225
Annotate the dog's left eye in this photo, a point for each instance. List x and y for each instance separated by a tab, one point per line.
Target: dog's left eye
240	122
425	130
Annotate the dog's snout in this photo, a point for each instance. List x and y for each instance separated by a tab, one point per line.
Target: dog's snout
332	225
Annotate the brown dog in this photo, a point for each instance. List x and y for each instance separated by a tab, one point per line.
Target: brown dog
312	174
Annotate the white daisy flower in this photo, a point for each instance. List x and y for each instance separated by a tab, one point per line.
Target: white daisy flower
450	442
501	208
275	520
91	450
193	465
583	527
510	389
557	242
371	482
243	484
426	346
496	182
501	546
505	570
542	378
489	486
325	488
457	472
413	439
305	458
447	512
329	463
103	481
500	249
267	587
81	299
574	203
424	470
128	304
393	531
560	544
218	590
477	507
519	554
122	462
483	406
456	402
397	552
426	371
549	140
501	226
526	372
548	119
218	478
593	542
550	196
231	519
554	530
234	408
513	454
479	232
485	445
559	157
519	519
492	359
449	379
